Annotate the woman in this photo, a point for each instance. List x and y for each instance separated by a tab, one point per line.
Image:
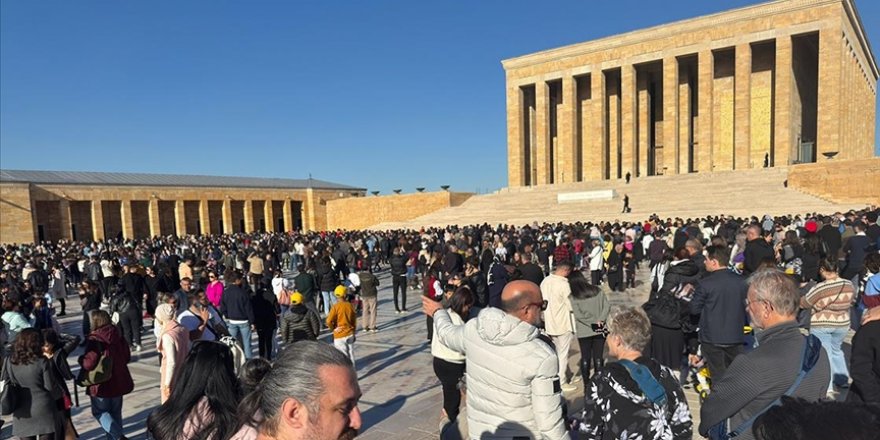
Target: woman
327	279
615	405
449	365
266	312
203	405
615	268
596	262
59	287
173	345
13	320
56	351
37	416
129	312
666	311
829	303
790	255
106	398
590	308
252	373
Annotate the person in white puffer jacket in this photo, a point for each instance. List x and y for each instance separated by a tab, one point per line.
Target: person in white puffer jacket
512	370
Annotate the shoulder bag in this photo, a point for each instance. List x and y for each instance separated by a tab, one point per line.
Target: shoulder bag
102	372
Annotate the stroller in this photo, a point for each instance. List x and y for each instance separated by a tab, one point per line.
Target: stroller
699	376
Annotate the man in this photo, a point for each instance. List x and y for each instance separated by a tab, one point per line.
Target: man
311	392
757	250
301	323
695	250
557	318
873	230
199	319
626	207
854	251
531	271
476	280
657	249
830	236
304	283
369	296
343	320
523	398
236	308
181	294
398	279
255	271
718	300
755	379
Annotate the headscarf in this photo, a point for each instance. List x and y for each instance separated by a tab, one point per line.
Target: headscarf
165	313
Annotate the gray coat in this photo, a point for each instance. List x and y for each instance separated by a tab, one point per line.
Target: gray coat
589	311
38	412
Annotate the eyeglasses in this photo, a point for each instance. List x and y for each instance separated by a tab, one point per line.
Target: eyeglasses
759	300
541	305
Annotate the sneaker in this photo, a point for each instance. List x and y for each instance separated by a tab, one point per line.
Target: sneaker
138	348
398	312
567	387
374	330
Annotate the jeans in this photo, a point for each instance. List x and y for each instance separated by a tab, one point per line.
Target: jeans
108	412
242	333
346	346
329	299
832	341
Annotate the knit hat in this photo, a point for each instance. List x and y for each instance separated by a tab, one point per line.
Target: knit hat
340	291
296	298
164	313
811	226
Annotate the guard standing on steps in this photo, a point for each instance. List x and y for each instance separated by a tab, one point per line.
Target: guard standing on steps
626	207
628	176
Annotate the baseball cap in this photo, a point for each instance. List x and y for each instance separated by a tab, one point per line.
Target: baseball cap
340	291
296	298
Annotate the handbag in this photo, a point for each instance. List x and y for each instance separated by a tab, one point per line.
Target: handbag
10	391
102	372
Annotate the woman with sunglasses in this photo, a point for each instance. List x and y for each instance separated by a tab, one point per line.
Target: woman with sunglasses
203	404
214	289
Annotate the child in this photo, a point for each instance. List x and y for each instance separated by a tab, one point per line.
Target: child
343	320
630	264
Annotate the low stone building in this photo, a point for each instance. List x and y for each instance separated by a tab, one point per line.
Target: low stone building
53	205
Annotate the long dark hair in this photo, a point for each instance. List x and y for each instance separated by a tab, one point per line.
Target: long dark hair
580	287
460	299
207	372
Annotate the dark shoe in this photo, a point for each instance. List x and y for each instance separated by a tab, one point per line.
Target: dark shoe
62	314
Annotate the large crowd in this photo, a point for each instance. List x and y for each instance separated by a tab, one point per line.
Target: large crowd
753	312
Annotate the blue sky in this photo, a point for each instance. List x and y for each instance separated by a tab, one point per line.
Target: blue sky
377	94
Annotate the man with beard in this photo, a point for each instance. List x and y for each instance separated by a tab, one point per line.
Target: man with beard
311	392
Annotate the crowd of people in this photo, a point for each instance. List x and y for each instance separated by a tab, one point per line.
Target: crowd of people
509	309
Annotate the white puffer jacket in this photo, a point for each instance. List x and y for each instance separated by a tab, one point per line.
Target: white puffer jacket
512	376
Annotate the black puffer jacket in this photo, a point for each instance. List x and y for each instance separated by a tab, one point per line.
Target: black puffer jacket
300	324
398	265
686	272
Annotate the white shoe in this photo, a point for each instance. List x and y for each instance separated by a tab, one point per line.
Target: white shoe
138	348
569	387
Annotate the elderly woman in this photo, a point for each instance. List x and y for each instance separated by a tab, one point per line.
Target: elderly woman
616	404
173	344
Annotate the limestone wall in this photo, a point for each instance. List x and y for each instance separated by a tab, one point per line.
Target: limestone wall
16	215
840	181
363	212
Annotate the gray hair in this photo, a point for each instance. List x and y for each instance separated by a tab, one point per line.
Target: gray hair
295	374
778	289
632	325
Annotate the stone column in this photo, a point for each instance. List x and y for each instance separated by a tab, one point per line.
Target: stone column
249	216
742	107
783	142
542	127
204	217
598	157
830	56
127	222
684	116
180	217
629	149
515	142
644	119
97	220
670	117
64	219
706	73
309	223
155	222
565	156
228	227
269	215
288	215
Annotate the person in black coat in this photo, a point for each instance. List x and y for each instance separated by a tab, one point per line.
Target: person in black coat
757	250
615	268
865	365
266	312
531	271
855	250
830	236
667	312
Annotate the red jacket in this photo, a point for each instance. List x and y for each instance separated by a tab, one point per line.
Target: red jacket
120	382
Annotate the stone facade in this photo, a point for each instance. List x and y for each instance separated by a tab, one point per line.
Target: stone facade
33	211
364	212
774	84
844	181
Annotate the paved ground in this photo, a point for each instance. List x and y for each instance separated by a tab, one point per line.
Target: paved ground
401	394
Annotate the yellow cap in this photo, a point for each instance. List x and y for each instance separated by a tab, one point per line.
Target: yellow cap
296	298
340	291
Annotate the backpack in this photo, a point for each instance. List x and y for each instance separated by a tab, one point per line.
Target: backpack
102	372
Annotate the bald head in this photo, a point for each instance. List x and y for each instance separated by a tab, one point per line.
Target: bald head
516	298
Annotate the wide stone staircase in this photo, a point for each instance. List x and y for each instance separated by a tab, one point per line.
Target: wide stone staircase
740	193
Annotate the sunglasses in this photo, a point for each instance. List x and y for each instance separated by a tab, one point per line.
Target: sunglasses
541	305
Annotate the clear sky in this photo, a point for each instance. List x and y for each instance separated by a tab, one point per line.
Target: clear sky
376	94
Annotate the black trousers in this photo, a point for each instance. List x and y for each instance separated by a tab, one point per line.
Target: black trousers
596	277
131	326
264	342
592	348
719	357
430	322
398	283
449	374
615	281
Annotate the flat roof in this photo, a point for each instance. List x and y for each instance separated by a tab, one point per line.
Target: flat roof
175	180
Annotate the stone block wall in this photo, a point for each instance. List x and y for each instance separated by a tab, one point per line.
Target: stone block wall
16	213
840	181
363	212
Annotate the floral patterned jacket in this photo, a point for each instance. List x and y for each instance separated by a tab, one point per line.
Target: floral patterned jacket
616	408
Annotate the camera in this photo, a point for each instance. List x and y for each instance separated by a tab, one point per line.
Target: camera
600	329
